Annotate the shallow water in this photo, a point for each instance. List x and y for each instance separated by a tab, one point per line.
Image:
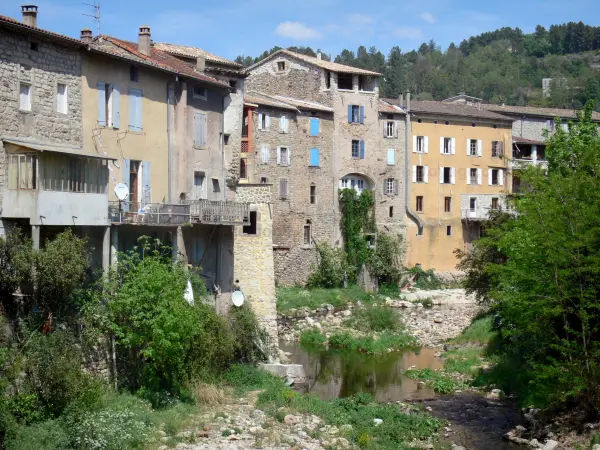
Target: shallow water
476	423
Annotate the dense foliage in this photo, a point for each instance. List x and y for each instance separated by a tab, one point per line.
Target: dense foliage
540	270
505	65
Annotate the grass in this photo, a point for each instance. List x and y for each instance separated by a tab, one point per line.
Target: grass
312	338
245	378
294	297
376	318
395	432
441	382
344	340
480	331
465	361
208	394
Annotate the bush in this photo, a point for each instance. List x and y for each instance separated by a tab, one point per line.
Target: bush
385	262
251	342
331	268
247	378
424	279
312	338
372	345
49	435
376	318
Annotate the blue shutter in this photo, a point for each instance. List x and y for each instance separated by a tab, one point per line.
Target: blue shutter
362	114
314	157
349	113
116	98
146	188
135	109
125	175
362	149
101	103
314	127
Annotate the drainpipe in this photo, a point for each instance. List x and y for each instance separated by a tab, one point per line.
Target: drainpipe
169	150
223	149
408	167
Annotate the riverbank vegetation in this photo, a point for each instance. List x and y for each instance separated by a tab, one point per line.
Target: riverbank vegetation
538	272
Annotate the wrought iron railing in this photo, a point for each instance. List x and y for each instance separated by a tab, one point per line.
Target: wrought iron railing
148	213
219	212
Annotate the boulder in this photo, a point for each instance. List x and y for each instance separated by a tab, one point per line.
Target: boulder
550	445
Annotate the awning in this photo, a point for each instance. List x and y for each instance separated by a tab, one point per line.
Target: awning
54	148
522	140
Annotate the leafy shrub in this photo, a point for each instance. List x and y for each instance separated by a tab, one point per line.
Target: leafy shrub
312	338
291	297
376	318
250	340
246	378
48	435
424	279
369	344
385	262
330	269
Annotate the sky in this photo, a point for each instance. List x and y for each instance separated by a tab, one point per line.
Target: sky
248	27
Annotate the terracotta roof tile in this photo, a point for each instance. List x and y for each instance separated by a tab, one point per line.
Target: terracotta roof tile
50	34
194	52
328	65
549	113
157	58
385	107
261	99
303	104
450	109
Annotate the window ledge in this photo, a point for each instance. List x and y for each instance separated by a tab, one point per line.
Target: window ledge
200	147
306	247
314	167
25	111
139	133
346	90
199	97
366	92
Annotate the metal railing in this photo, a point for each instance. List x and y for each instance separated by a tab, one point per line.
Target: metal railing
220	212
148	213
521	163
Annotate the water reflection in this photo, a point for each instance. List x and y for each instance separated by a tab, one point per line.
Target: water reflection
334	374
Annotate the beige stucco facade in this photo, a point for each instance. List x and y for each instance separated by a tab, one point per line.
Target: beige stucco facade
434	248
150	143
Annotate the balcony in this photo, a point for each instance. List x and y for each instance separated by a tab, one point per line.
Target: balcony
522	163
477	207
164	214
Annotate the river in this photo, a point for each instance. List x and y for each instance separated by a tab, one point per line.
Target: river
475	422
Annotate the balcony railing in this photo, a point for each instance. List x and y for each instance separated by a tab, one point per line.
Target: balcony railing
522	163
220	213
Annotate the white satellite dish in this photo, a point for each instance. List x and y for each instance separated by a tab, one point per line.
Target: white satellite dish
238	298
189	293
121	191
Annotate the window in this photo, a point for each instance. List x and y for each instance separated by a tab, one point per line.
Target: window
215	183
109	106
109	114
419	205
263	180
307	233
390	187
420	147
314	157
495	177
134	171
251	227
390	129
283	124
313	194
135	110
198	192
473	176
34	46
199	92
497	149
22	171
354	113
283	156
264	121
472	204
365	83
283	188
61	98
420	174
495	204
327	79
345	81
447	146
447	204
550	125
474	147
66	173
25	97
446	175
391	157
134	74
391	212
280	66
353	182
448	230
200	129
315	126
355	149
243	168
233	86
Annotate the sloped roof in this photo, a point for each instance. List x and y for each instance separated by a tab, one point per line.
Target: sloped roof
462	97
265	100
522	140
15	24
450	109
279	101
328	65
187	51
549	113
303	104
157	59
385	107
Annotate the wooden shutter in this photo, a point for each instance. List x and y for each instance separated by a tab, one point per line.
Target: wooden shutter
278	155
289	158
479	176
414	174
283	124
116	99
283	187
426	143
265	154
441	175
501	177
391	157
314	126
362	149
469	176
125	177
135	109
200	129
102	103
260	121
414	144
468	146
442	145
362	114
453	175
426	174
396	183
396	126
453	144
479	148
314	157
146	188
490	177
501	149
267	121
349	113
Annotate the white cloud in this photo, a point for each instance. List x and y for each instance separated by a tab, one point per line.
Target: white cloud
428	17
297	31
408	33
360	19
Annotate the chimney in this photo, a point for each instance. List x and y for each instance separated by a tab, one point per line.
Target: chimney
401	99
144	40
201	63
86	35
319	56
408	100
30	15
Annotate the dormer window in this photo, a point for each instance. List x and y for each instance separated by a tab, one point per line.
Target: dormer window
200	92
280	66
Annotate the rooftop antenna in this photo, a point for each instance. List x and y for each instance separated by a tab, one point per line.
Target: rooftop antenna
96	14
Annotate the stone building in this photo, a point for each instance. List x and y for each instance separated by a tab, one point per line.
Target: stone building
48	181
360	145
457	174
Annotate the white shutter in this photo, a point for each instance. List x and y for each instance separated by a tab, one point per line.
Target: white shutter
265	154
479	176
267	121
289	159
414	144
278	155
489	177
468	176
283	124
501	177
426	174
391	157
441	175
414	174
426	139
442	145
453	175
479	148
260	116
468	146
453	144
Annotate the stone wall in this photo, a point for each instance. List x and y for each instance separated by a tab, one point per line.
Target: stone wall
530	128
253	258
